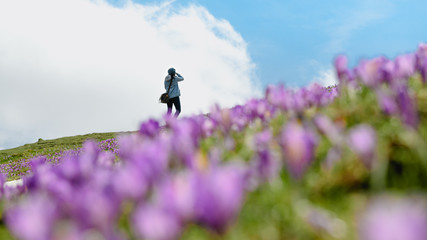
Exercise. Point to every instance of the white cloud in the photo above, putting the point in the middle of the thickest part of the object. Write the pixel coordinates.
(326, 77)
(78, 66)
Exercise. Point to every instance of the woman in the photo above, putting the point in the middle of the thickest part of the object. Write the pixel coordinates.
(174, 92)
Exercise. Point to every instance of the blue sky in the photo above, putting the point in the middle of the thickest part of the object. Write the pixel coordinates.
(292, 41)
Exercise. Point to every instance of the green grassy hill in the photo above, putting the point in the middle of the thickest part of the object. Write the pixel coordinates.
(44, 147)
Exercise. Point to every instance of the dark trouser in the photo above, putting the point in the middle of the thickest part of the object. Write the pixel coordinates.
(175, 101)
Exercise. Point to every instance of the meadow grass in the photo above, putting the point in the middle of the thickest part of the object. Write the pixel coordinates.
(45, 147)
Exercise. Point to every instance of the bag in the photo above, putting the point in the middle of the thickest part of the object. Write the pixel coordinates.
(164, 98)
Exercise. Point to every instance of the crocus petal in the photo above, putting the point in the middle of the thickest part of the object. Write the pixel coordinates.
(219, 195)
(149, 128)
(155, 223)
(407, 107)
(298, 144)
(405, 66)
(32, 219)
(341, 69)
(387, 103)
(362, 140)
(370, 71)
(394, 218)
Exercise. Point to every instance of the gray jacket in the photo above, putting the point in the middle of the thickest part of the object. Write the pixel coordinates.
(174, 91)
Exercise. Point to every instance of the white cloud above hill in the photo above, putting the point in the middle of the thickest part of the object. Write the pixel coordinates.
(326, 77)
(71, 67)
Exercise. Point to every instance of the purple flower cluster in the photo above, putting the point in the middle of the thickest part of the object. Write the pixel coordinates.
(15, 169)
(86, 193)
(389, 79)
(154, 183)
(312, 96)
(162, 175)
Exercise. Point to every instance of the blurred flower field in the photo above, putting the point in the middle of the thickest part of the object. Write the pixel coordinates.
(343, 162)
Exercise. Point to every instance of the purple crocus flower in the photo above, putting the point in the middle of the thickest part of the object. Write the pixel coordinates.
(129, 183)
(370, 72)
(421, 60)
(151, 159)
(422, 50)
(149, 128)
(148, 156)
(37, 161)
(405, 66)
(156, 223)
(388, 70)
(32, 219)
(423, 69)
(257, 108)
(61, 189)
(69, 169)
(129, 144)
(387, 102)
(278, 96)
(106, 159)
(52, 180)
(298, 100)
(87, 160)
(266, 162)
(298, 144)
(362, 139)
(239, 118)
(340, 64)
(262, 139)
(187, 130)
(332, 94)
(178, 195)
(183, 142)
(332, 131)
(394, 218)
(208, 126)
(95, 208)
(222, 118)
(3, 178)
(407, 107)
(341, 69)
(316, 94)
(266, 165)
(219, 196)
